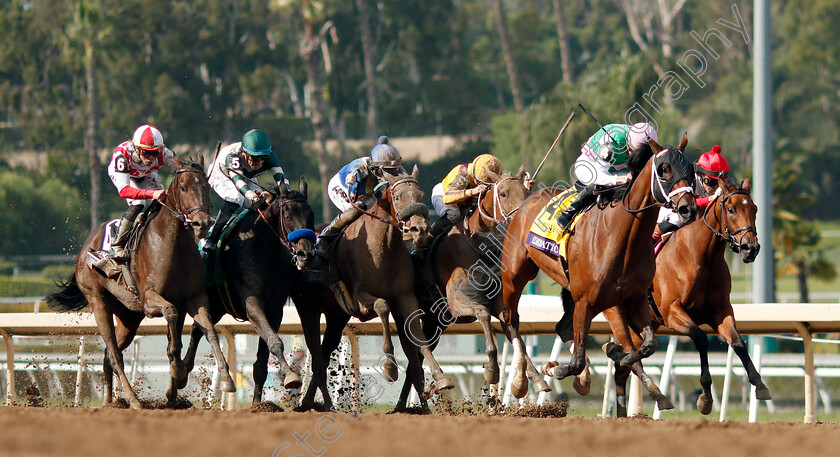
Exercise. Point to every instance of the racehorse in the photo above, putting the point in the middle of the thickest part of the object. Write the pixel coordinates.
(169, 276)
(610, 266)
(464, 265)
(259, 263)
(373, 262)
(692, 282)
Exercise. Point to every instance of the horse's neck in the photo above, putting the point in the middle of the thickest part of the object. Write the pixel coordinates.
(638, 226)
(169, 228)
(478, 223)
(712, 244)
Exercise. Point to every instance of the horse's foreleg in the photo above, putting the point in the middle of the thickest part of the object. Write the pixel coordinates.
(175, 323)
(662, 401)
(679, 320)
(414, 372)
(260, 371)
(389, 367)
(105, 322)
(203, 323)
(189, 356)
(727, 331)
(622, 372)
(255, 309)
(491, 370)
(411, 331)
(578, 362)
(312, 336)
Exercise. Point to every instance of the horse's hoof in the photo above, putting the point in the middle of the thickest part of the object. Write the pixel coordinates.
(444, 383)
(389, 371)
(182, 382)
(613, 351)
(547, 368)
(762, 392)
(491, 374)
(541, 386)
(291, 381)
(519, 386)
(582, 388)
(227, 386)
(704, 404)
(664, 403)
(135, 404)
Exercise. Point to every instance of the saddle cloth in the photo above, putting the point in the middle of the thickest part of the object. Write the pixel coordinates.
(545, 235)
(111, 228)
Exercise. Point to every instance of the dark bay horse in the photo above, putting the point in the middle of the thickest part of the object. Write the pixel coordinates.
(463, 265)
(692, 281)
(168, 272)
(610, 266)
(261, 260)
(373, 262)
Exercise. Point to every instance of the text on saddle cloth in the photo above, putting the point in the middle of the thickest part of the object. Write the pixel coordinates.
(545, 235)
(111, 227)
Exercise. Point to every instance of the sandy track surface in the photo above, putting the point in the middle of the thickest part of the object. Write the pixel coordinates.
(26, 432)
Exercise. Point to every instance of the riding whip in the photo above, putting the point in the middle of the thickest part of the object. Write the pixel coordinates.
(596, 121)
(562, 131)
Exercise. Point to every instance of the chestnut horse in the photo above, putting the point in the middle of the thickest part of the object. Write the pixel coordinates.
(373, 262)
(610, 266)
(168, 272)
(692, 281)
(464, 265)
(259, 261)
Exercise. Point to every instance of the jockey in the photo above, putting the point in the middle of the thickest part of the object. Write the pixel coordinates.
(710, 167)
(457, 190)
(233, 176)
(603, 162)
(351, 187)
(134, 171)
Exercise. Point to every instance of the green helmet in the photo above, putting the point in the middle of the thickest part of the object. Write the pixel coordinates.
(256, 143)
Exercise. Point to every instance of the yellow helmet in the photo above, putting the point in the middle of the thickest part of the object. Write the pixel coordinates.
(486, 168)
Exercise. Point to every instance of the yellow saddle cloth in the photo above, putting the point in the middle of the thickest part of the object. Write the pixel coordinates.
(545, 234)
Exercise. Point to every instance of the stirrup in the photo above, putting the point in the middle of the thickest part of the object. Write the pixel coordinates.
(119, 254)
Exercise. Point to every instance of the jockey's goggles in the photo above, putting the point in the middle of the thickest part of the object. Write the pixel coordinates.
(711, 182)
(149, 153)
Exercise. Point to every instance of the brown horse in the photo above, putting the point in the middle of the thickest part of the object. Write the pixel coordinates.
(610, 266)
(463, 264)
(261, 261)
(692, 281)
(168, 272)
(373, 262)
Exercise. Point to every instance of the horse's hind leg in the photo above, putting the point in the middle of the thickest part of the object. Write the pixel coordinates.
(260, 370)
(411, 330)
(205, 324)
(255, 308)
(389, 367)
(622, 372)
(662, 401)
(681, 322)
(113, 353)
(727, 331)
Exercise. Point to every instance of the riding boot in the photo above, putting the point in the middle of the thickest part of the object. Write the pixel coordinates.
(332, 231)
(225, 213)
(118, 251)
(584, 199)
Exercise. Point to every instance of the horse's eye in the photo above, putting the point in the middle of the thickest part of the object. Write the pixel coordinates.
(731, 210)
(182, 188)
(503, 194)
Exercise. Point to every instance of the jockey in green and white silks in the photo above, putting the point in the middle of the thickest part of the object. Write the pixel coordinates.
(233, 176)
(603, 162)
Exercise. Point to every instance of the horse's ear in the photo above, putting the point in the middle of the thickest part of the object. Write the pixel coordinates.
(284, 191)
(654, 146)
(724, 186)
(415, 172)
(201, 160)
(520, 174)
(178, 162)
(494, 177)
(303, 187)
(746, 186)
(683, 143)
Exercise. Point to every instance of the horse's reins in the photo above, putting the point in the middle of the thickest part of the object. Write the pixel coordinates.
(284, 238)
(183, 215)
(728, 235)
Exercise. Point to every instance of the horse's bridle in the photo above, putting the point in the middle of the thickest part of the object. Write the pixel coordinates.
(284, 236)
(728, 235)
(657, 189)
(399, 217)
(497, 204)
(184, 215)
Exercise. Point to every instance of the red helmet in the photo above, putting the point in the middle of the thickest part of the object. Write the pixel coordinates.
(713, 164)
(148, 138)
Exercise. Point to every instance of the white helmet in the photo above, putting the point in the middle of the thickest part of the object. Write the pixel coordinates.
(148, 138)
(640, 133)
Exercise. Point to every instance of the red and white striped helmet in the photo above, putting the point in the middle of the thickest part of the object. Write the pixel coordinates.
(148, 137)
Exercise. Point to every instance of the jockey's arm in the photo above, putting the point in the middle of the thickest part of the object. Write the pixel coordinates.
(168, 158)
(277, 171)
(590, 172)
(457, 186)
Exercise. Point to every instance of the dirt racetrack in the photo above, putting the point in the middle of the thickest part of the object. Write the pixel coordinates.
(31, 432)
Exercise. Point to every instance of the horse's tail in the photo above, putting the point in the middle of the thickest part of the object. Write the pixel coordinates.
(69, 298)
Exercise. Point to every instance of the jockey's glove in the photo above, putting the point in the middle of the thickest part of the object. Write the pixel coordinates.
(251, 195)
